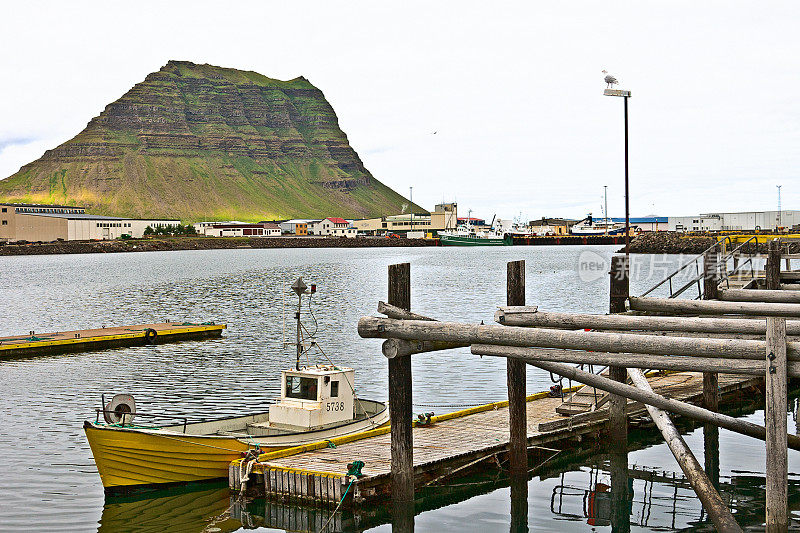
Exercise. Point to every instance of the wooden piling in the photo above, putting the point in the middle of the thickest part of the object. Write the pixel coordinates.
(711, 275)
(618, 419)
(618, 293)
(776, 400)
(711, 379)
(515, 377)
(773, 267)
(400, 411)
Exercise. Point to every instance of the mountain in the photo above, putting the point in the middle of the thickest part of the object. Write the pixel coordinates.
(204, 142)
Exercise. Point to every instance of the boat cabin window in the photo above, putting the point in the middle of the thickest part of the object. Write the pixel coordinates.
(301, 388)
(334, 389)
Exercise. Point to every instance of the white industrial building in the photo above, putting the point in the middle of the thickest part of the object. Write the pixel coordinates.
(200, 227)
(262, 229)
(45, 223)
(745, 221)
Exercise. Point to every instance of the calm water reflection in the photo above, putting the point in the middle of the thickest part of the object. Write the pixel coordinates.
(50, 480)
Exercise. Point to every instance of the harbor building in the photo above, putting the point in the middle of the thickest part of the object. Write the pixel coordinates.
(200, 227)
(551, 226)
(742, 221)
(45, 223)
(241, 229)
(645, 223)
(332, 227)
(297, 226)
(444, 216)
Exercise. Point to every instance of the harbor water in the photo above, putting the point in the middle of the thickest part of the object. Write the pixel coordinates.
(49, 478)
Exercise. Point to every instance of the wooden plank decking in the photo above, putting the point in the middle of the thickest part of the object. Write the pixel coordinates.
(451, 442)
(86, 340)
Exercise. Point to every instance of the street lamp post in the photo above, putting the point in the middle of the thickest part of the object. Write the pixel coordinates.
(625, 95)
(411, 199)
(779, 206)
(605, 208)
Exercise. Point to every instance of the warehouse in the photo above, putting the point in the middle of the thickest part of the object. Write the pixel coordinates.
(262, 229)
(44, 223)
(743, 221)
(297, 226)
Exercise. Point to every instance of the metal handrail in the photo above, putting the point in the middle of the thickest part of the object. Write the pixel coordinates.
(699, 275)
(136, 413)
(680, 269)
(737, 268)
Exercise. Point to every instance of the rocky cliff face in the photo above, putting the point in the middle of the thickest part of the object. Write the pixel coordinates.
(204, 142)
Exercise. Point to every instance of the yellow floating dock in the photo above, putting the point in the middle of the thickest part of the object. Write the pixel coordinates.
(86, 340)
(450, 445)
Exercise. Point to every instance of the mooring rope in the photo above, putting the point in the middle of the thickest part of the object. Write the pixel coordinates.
(245, 468)
(325, 525)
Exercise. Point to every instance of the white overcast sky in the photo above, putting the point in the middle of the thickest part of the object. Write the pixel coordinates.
(513, 91)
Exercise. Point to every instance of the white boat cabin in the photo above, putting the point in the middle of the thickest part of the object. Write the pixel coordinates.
(314, 396)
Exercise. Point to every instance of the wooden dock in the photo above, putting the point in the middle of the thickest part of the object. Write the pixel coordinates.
(85, 340)
(707, 350)
(450, 444)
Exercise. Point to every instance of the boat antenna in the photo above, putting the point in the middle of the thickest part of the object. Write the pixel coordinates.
(299, 288)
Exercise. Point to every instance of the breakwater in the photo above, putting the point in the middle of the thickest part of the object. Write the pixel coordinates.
(670, 242)
(203, 243)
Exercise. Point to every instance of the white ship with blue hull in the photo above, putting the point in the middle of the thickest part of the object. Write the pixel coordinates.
(597, 226)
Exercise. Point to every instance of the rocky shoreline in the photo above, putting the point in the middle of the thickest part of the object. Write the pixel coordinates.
(162, 244)
(668, 242)
(646, 243)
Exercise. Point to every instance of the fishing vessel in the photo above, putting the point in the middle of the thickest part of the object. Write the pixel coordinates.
(598, 226)
(469, 235)
(465, 235)
(317, 402)
(515, 228)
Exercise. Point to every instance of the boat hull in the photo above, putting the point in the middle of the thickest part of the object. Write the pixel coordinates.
(452, 240)
(133, 458)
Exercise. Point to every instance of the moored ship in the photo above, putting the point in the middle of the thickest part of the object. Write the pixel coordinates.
(317, 403)
(465, 235)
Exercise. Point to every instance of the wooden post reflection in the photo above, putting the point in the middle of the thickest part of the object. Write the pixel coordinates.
(711, 452)
(620, 496)
(519, 503)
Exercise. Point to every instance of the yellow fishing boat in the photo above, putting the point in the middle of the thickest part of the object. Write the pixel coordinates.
(317, 403)
(312, 408)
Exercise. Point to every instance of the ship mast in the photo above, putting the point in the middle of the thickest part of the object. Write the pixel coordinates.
(299, 288)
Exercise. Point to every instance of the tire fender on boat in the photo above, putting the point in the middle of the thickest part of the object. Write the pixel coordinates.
(121, 409)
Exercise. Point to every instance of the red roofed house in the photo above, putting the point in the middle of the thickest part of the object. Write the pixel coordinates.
(332, 226)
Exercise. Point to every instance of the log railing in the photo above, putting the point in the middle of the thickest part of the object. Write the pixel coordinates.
(549, 341)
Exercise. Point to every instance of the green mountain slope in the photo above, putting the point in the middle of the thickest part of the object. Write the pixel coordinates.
(204, 142)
